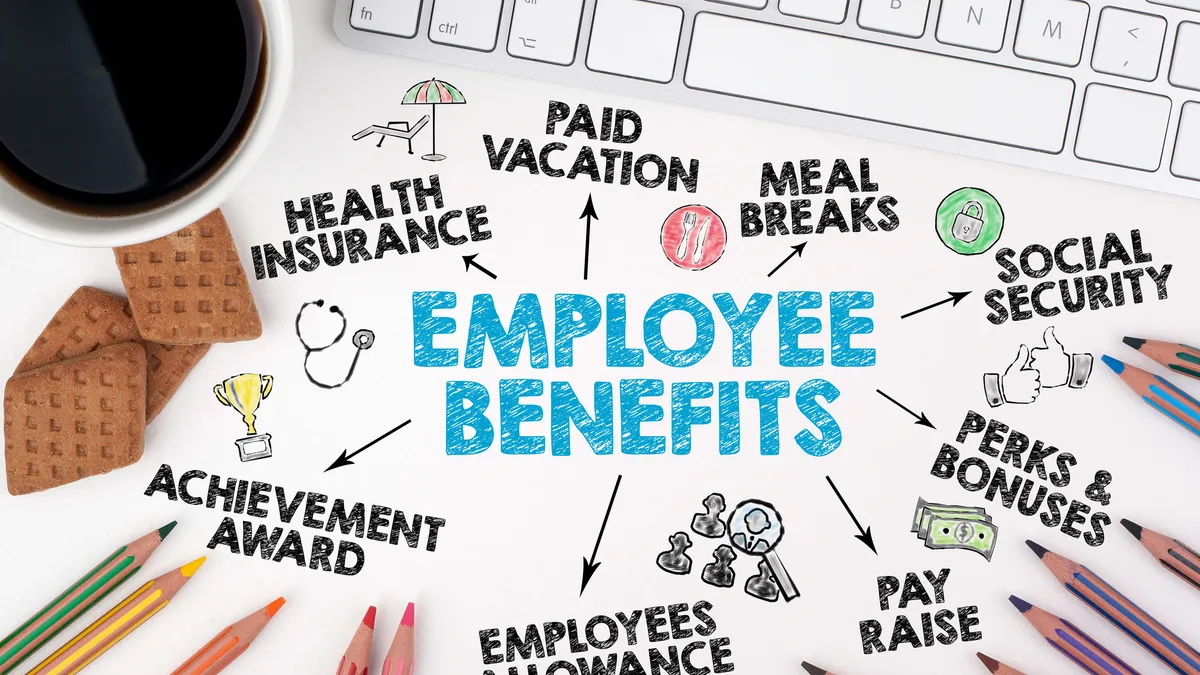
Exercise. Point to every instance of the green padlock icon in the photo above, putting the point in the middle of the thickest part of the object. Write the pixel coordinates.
(966, 226)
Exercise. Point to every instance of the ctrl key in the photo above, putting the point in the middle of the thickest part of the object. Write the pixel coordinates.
(472, 24)
(1186, 162)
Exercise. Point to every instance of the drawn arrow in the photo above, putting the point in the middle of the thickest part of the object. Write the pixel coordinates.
(921, 418)
(954, 297)
(345, 459)
(590, 566)
(1133, 32)
(589, 212)
(863, 535)
(469, 261)
(797, 251)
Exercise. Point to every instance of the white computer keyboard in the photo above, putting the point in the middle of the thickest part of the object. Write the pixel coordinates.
(1104, 90)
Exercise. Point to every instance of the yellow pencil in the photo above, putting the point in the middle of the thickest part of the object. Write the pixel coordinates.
(120, 621)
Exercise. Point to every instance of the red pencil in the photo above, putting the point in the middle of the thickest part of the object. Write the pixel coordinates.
(357, 658)
(995, 667)
(399, 659)
(1171, 553)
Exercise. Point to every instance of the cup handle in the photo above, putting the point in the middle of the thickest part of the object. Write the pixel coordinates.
(267, 383)
(218, 390)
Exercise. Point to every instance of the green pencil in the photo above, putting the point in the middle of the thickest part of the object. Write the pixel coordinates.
(79, 598)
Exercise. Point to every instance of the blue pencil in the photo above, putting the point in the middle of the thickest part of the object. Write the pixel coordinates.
(1159, 394)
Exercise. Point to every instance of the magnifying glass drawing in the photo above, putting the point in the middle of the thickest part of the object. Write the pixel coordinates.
(755, 527)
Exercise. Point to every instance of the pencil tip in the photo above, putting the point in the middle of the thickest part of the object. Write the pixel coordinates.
(274, 606)
(1136, 343)
(813, 670)
(369, 618)
(1020, 604)
(988, 662)
(1117, 366)
(189, 569)
(408, 615)
(166, 529)
(1134, 528)
(1036, 548)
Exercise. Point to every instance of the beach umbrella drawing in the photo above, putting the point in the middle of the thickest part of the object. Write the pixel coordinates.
(435, 93)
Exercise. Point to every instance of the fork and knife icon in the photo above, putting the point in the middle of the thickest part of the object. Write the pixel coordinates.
(689, 223)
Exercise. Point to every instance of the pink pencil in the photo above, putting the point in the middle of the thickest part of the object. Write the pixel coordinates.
(399, 659)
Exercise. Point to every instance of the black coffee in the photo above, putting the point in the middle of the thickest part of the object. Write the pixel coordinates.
(111, 106)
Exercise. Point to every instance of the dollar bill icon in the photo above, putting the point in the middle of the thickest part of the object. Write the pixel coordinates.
(948, 526)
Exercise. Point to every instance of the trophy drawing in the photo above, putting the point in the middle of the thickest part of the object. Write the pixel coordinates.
(244, 393)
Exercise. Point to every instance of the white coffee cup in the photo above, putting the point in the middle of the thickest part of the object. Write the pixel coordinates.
(22, 212)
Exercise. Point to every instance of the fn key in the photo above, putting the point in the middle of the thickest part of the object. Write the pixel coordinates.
(390, 17)
(471, 24)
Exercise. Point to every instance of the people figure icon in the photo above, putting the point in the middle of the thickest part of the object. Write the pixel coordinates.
(675, 561)
(720, 572)
(762, 585)
(709, 524)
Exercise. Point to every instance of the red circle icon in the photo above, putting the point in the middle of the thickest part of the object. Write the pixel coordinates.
(693, 237)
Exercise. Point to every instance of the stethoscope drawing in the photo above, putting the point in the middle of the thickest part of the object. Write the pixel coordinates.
(362, 341)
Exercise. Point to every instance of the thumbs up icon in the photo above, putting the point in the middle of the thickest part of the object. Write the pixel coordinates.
(1048, 366)
(1057, 366)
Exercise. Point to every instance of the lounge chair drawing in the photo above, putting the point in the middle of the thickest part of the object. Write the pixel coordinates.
(406, 131)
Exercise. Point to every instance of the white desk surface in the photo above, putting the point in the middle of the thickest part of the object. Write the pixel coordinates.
(517, 526)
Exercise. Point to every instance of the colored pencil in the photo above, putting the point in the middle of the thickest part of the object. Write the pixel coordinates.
(1160, 394)
(995, 667)
(119, 622)
(1182, 359)
(1072, 642)
(229, 643)
(78, 598)
(357, 658)
(1121, 611)
(399, 659)
(813, 670)
(1171, 553)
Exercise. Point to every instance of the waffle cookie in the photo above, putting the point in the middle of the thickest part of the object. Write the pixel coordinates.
(91, 319)
(75, 418)
(189, 287)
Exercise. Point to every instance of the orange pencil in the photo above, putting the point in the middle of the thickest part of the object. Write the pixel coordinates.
(995, 667)
(229, 643)
(120, 621)
(1179, 358)
(1171, 553)
(399, 659)
(357, 658)
(1120, 611)
(1071, 642)
(814, 670)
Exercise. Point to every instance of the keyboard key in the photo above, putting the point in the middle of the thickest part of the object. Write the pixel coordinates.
(898, 17)
(1186, 162)
(1193, 5)
(472, 24)
(1052, 31)
(752, 4)
(620, 24)
(832, 11)
(545, 30)
(1128, 44)
(941, 94)
(1185, 65)
(976, 24)
(390, 17)
(1123, 127)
